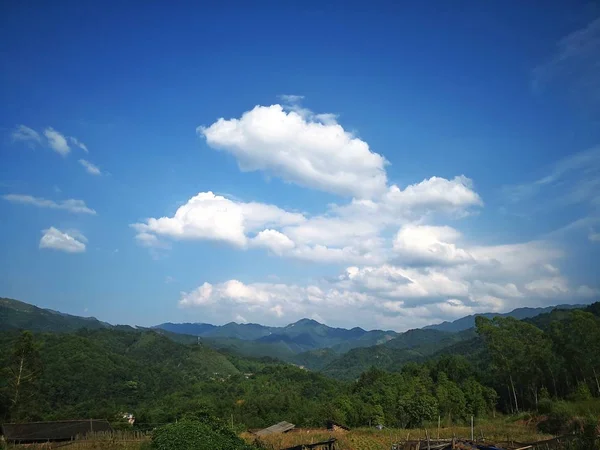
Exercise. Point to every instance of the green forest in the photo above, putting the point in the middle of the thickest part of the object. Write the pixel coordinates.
(547, 365)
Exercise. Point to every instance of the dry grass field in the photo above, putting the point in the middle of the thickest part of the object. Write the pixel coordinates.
(357, 439)
(373, 439)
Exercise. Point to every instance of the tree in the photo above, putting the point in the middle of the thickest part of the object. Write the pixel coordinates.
(196, 435)
(451, 399)
(24, 369)
(577, 339)
(520, 351)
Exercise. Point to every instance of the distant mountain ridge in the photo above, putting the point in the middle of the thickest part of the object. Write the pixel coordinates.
(303, 335)
(464, 323)
(15, 314)
(336, 352)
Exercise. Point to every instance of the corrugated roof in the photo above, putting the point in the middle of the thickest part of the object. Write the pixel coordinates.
(281, 427)
(52, 431)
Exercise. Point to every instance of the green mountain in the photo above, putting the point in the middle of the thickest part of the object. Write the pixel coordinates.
(163, 376)
(282, 342)
(414, 345)
(81, 371)
(464, 323)
(15, 315)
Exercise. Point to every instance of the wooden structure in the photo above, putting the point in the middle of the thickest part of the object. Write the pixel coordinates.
(64, 430)
(557, 443)
(325, 445)
(281, 427)
(334, 426)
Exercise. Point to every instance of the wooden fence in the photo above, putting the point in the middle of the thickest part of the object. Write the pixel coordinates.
(324, 445)
(117, 440)
(567, 442)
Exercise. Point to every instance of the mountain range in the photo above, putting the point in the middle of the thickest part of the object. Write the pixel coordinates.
(337, 352)
(297, 337)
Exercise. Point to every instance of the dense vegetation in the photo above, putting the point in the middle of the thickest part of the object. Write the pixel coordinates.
(549, 364)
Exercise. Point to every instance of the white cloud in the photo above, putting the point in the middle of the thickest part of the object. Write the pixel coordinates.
(78, 143)
(54, 139)
(423, 244)
(300, 149)
(57, 141)
(63, 241)
(25, 134)
(350, 234)
(430, 197)
(594, 236)
(214, 217)
(240, 319)
(548, 286)
(90, 167)
(434, 194)
(71, 205)
(551, 269)
(273, 240)
(493, 278)
(406, 269)
(151, 241)
(267, 299)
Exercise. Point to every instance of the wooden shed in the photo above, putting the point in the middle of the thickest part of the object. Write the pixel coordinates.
(64, 430)
(281, 427)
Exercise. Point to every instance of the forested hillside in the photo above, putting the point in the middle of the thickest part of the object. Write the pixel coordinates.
(15, 315)
(505, 365)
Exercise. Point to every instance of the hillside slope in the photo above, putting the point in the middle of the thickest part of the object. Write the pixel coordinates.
(15, 315)
(464, 323)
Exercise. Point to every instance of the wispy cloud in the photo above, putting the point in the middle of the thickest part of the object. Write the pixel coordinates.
(50, 137)
(90, 167)
(25, 134)
(574, 64)
(69, 241)
(594, 236)
(572, 180)
(71, 205)
(57, 141)
(78, 143)
(291, 99)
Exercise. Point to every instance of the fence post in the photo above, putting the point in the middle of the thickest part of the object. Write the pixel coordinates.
(472, 435)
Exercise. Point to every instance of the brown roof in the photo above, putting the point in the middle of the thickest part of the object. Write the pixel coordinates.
(52, 431)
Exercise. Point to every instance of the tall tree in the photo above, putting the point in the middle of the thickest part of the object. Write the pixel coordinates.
(577, 339)
(24, 370)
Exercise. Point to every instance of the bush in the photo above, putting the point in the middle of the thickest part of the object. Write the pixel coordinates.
(196, 435)
(545, 406)
(582, 393)
(558, 419)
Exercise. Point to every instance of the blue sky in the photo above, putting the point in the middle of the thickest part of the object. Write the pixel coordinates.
(375, 164)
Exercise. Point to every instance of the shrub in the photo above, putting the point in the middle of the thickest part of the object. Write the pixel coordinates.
(545, 406)
(589, 439)
(558, 419)
(582, 393)
(196, 435)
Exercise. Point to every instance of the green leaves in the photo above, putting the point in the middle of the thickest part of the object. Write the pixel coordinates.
(196, 435)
